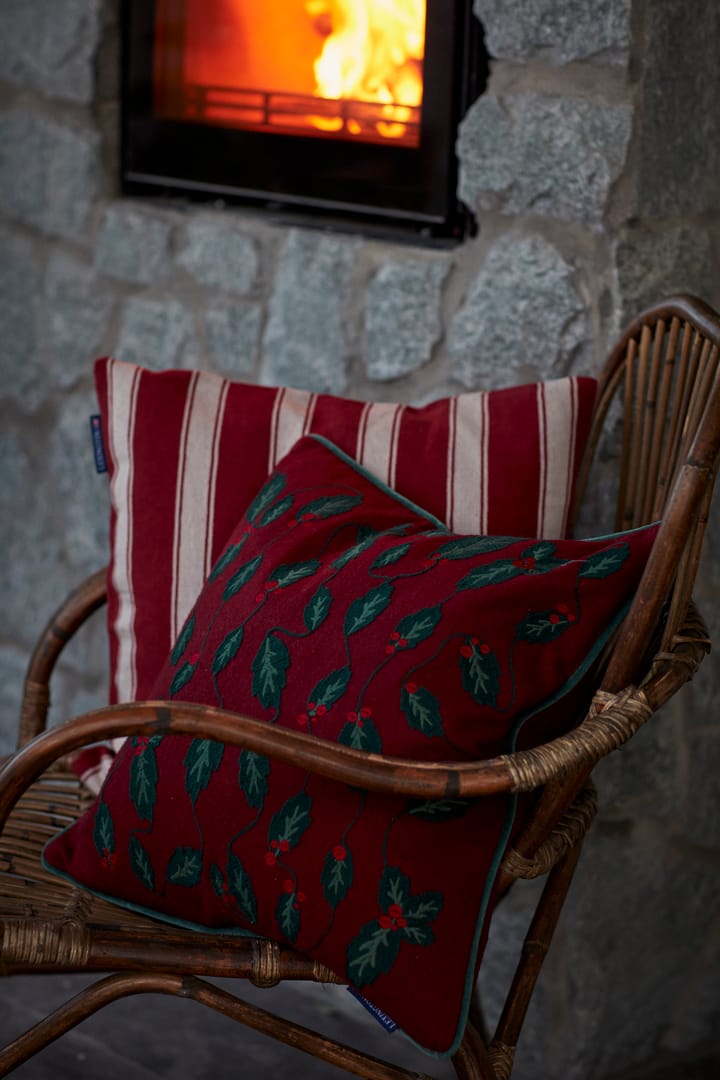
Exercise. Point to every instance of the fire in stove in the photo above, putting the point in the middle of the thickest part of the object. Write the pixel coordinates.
(348, 69)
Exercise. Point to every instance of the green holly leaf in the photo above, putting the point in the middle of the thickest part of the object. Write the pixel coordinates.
(185, 867)
(253, 777)
(490, 574)
(541, 551)
(182, 676)
(356, 550)
(367, 608)
(438, 810)
(228, 556)
(330, 506)
(104, 830)
(227, 650)
(217, 880)
(394, 888)
(143, 780)
(337, 876)
(604, 563)
(275, 512)
(203, 757)
(267, 494)
(291, 820)
(371, 953)
(183, 641)
(416, 628)
(480, 673)
(287, 915)
(423, 906)
(241, 577)
(331, 688)
(141, 864)
(390, 556)
(269, 667)
(418, 934)
(317, 608)
(288, 574)
(465, 547)
(365, 737)
(422, 711)
(241, 889)
(540, 627)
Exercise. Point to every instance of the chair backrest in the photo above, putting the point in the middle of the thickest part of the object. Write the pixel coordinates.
(666, 368)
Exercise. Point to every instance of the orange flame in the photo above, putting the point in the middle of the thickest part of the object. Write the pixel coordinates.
(373, 52)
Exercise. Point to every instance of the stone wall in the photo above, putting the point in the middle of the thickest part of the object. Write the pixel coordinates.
(593, 162)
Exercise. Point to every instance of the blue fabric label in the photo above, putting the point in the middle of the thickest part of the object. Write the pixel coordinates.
(380, 1016)
(98, 447)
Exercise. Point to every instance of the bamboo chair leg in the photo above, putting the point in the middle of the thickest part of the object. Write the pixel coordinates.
(472, 1061)
(114, 987)
(535, 947)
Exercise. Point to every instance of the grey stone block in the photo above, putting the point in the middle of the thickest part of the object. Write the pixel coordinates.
(13, 665)
(155, 333)
(133, 245)
(531, 153)
(32, 570)
(678, 169)
(82, 493)
(78, 308)
(651, 264)
(233, 335)
(50, 45)
(643, 777)
(48, 174)
(637, 915)
(522, 318)
(20, 360)
(402, 317)
(703, 813)
(219, 255)
(305, 343)
(556, 31)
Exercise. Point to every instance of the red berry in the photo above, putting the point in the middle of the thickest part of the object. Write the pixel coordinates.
(484, 649)
(389, 650)
(400, 923)
(300, 897)
(284, 845)
(273, 844)
(365, 712)
(411, 687)
(385, 922)
(339, 853)
(554, 619)
(395, 636)
(269, 858)
(395, 910)
(321, 710)
(466, 651)
(403, 642)
(352, 717)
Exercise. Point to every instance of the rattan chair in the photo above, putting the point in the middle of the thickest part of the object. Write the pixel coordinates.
(665, 371)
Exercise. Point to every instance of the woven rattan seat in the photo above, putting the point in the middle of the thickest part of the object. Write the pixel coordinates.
(666, 366)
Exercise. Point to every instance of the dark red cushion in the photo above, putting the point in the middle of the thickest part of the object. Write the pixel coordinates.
(339, 608)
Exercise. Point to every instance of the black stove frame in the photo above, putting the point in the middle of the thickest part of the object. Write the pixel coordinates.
(366, 185)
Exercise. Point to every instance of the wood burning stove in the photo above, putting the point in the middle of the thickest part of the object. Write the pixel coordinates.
(347, 108)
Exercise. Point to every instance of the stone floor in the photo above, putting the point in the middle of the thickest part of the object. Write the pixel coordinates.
(153, 1038)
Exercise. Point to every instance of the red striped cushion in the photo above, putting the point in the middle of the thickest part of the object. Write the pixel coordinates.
(188, 450)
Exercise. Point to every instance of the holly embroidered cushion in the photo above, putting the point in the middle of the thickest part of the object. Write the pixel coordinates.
(188, 450)
(340, 609)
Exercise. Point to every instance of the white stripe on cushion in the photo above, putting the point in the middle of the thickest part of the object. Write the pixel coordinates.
(194, 491)
(123, 383)
(559, 412)
(377, 440)
(467, 467)
(292, 414)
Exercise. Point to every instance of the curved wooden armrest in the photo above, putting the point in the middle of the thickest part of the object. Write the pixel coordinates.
(611, 720)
